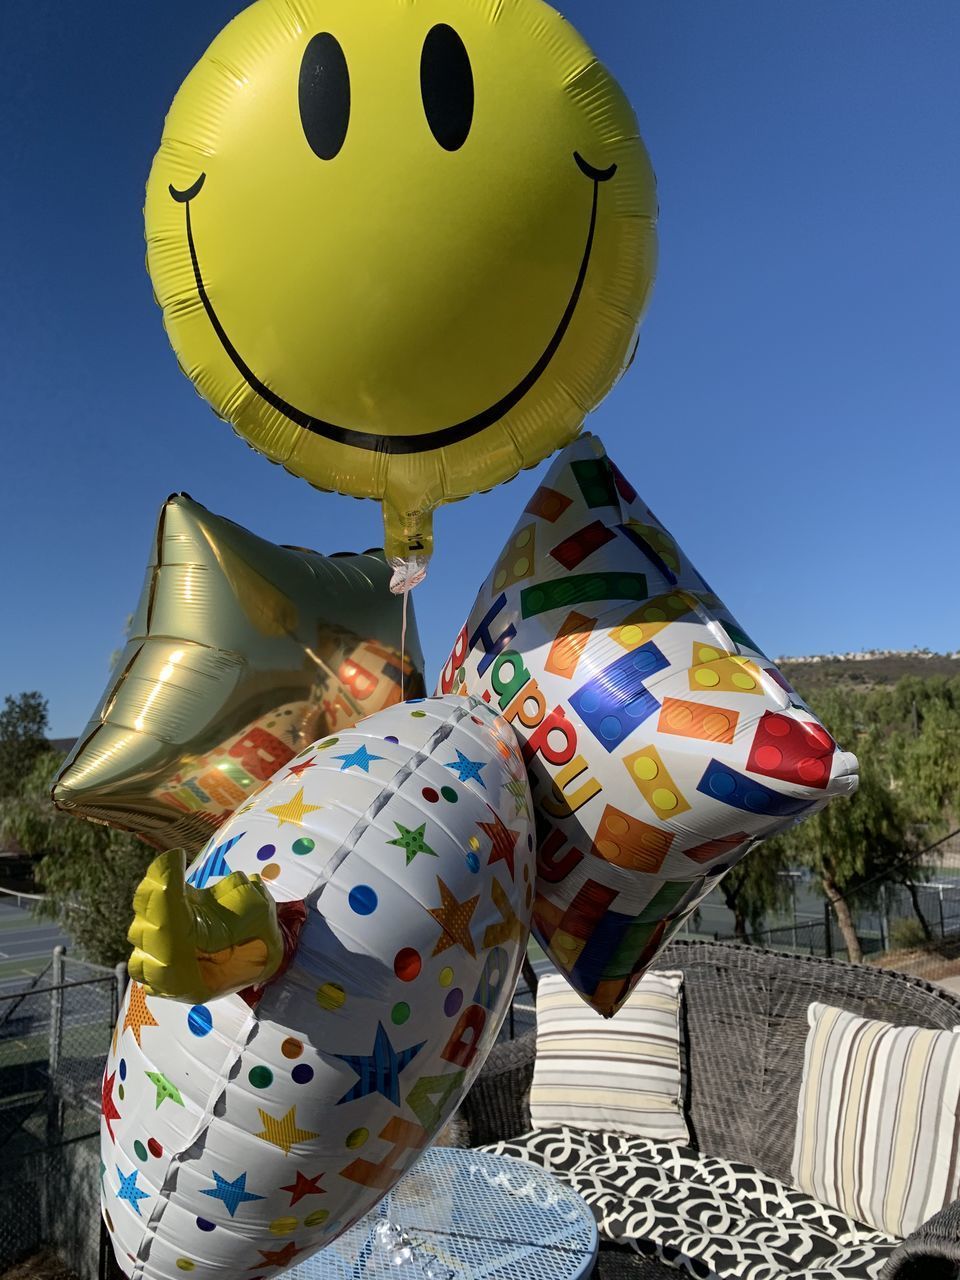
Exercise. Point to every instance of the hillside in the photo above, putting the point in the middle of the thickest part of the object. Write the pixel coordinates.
(866, 670)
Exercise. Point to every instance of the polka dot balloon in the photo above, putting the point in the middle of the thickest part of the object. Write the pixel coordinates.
(240, 1135)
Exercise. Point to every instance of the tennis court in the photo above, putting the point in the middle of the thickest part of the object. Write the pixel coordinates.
(26, 943)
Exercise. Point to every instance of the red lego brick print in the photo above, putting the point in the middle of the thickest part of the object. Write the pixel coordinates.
(572, 553)
(791, 750)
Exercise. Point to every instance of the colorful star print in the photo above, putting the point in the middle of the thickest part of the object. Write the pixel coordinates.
(454, 918)
(304, 1187)
(413, 841)
(129, 1191)
(215, 864)
(233, 1194)
(108, 1106)
(292, 812)
(277, 1257)
(283, 1132)
(379, 1071)
(359, 759)
(298, 770)
(166, 1090)
(504, 842)
(468, 770)
(518, 789)
(138, 1013)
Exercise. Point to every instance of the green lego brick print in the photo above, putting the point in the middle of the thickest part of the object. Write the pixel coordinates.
(584, 588)
(595, 478)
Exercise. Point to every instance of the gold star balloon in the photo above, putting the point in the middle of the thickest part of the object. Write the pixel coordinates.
(240, 655)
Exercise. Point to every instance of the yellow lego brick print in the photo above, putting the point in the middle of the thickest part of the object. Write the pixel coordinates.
(713, 671)
(566, 948)
(660, 542)
(652, 618)
(518, 561)
(655, 783)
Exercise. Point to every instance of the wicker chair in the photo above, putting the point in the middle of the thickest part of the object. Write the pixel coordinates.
(746, 1026)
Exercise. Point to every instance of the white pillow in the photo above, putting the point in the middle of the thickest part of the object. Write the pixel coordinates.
(877, 1126)
(620, 1074)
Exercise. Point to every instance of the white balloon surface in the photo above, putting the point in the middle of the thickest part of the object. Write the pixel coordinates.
(238, 1140)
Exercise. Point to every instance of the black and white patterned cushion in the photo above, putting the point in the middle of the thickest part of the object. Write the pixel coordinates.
(705, 1216)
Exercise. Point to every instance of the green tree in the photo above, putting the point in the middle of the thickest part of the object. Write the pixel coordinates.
(852, 847)
(757, 887)
(88, 872)
(23, 737)
(924, 751)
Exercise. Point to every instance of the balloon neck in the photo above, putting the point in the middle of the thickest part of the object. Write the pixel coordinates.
(407, 574)
(408, 545)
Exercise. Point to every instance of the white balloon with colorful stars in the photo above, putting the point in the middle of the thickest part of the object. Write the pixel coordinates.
(238, 1140)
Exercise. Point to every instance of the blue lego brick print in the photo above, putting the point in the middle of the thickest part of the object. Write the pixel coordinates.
(616, 701)
(722, 783)
(593, 965)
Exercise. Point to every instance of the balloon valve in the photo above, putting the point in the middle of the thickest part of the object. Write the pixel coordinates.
(407, 574)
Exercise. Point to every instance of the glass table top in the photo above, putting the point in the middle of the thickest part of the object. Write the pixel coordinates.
(469, 1216)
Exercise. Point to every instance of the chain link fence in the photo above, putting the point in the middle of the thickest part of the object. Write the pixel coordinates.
(911, 927)
(54, 1036)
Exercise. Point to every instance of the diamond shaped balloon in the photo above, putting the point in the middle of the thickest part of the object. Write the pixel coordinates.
(662, 744)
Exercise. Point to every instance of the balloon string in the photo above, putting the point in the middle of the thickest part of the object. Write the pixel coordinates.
(403, 642)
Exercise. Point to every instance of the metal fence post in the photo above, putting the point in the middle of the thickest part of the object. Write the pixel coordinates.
(943, 927)
(56, 1009)
(120, 988)
(827, 932)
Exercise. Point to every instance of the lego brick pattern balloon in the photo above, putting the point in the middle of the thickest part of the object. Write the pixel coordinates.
(239, 1137)
(662, 744)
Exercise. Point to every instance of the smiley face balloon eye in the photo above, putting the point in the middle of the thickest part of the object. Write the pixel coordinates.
(446, 83)
(324, 95)
(412, 298)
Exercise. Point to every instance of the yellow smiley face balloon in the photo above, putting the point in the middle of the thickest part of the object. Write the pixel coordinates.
(403, 248)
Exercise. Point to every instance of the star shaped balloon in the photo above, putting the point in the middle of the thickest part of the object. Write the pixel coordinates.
(240, 655)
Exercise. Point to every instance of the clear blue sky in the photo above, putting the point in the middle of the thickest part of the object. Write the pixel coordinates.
(792, 415)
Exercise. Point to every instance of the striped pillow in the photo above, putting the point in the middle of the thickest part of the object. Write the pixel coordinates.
(877, 1132)
(621, 1074)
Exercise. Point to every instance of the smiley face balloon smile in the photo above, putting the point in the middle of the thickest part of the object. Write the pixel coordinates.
(406, 252)
(399, 443)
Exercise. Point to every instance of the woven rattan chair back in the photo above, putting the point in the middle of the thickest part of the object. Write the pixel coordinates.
(745, 1015)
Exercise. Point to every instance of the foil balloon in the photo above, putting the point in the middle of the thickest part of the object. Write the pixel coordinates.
(242, 1134)
(240, 654)
(662, 744)
(403, 248)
